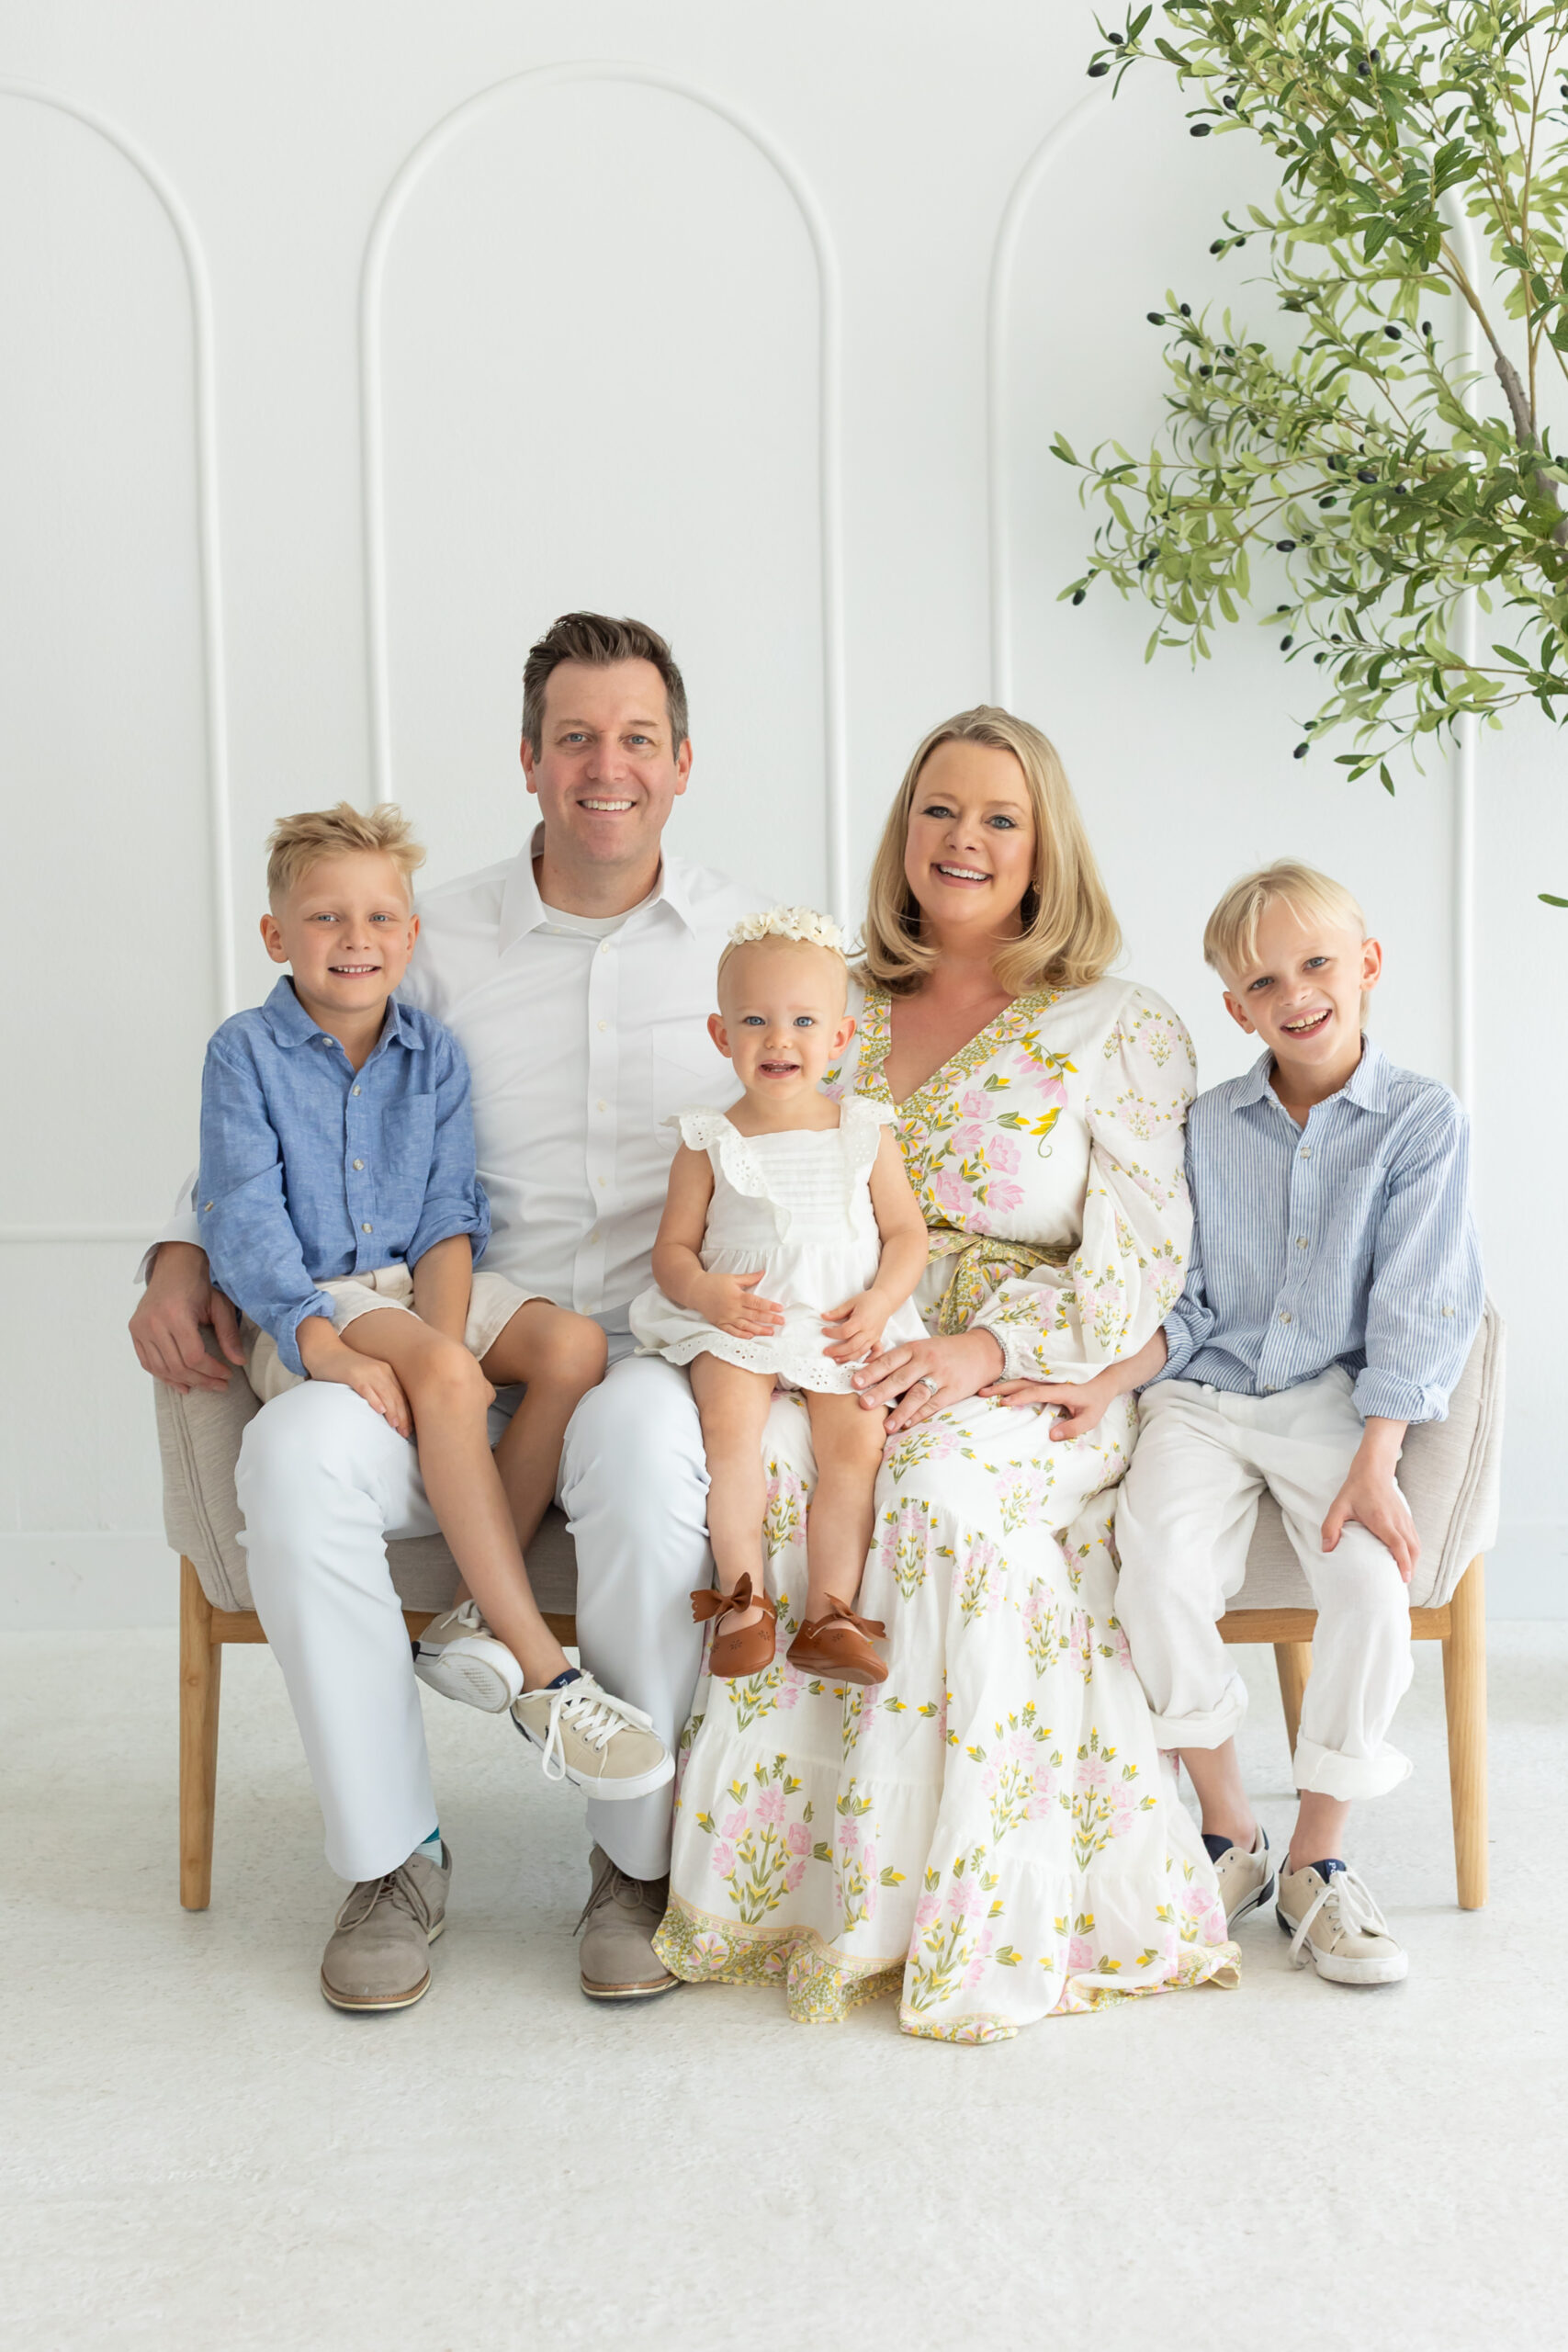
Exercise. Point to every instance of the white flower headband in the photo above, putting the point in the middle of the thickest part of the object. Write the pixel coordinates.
(803, 924)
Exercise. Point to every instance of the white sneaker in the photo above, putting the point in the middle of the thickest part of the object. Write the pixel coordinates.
(1247, 1878)
(459, 1656)
(589, 1737)
(1335, 1926)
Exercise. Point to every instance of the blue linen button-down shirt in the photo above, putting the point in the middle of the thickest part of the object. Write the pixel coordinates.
(1346, 1241)
(312, 1169)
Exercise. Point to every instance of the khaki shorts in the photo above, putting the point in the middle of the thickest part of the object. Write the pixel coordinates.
(492, 1303)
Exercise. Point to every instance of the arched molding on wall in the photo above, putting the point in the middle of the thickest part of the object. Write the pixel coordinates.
(215, 713)
(998, 312)
(434, 143)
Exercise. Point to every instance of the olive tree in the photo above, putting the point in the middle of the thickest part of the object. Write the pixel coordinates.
(1394, 476)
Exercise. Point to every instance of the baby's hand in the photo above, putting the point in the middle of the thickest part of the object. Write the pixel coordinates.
(727, 1301)
(857, 1324)
(1080, 1410)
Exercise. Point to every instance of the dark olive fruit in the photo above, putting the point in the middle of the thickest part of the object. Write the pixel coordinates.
(1301, 751)
(1205, 371)
(1426, 326)
(1218, 246)
(1116, 40)
(1286, 643)
(1286, 546)
(1365, 473)
(1319, 658)
(1096, 70)
(1199, 131)
(1394, 332)
(1078, 595)
(1230, 105)
(1155, 317)
(1329, 501)
(1187, 309)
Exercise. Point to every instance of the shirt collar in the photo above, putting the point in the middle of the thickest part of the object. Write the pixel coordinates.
(291, 1026)
(1367, 1085)
(523, 910)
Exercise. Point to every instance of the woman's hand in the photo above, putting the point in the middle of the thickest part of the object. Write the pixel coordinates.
(929, 1375)
(1078, 1409)
(725, 1301)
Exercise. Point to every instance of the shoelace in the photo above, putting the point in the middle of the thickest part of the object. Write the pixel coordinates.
(1351, 1909)
(616, 1885)
(396, 1888)
(592, 1712)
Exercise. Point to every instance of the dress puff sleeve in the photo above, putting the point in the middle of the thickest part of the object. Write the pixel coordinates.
(1067, 1323)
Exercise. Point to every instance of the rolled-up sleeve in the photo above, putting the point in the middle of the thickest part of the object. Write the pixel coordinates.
(251, 1244)
(455, 1200)
(1126, 1273)
(1427, 1289)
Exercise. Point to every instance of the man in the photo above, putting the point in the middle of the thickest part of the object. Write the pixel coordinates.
(578, 978)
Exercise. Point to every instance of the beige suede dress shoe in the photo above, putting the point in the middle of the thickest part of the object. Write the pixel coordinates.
(378, 1956)
(619, 1921)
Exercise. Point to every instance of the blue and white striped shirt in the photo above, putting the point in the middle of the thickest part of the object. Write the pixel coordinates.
(1346, 1241)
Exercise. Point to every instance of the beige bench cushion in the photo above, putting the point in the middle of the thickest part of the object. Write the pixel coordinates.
(1450, 1474)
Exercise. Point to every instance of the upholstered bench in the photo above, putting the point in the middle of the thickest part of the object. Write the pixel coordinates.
(1450, 1474)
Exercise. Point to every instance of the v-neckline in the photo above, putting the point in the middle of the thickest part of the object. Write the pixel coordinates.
(877, 1044)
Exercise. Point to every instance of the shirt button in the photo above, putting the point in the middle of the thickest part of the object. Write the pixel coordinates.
(595, 1235)
(1306, 1148)
(353, 1090)
(365, 1228)
(604, 947)
(1300, 1238)
(207, 1204)
(1447, 1310)
(359, 1163)
(604, 1025)
(600, 1182)
(1284, 1317)
(600, 1106)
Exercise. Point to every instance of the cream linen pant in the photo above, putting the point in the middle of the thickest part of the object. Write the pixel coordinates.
(1185, 1514)
(322, 1482)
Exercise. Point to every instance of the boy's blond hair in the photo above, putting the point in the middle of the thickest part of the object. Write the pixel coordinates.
(1230, 936)
(297, 843)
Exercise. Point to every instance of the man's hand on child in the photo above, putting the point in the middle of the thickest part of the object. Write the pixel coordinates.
(1079, 1409)
(1372, 1499)
(858, 1326)
(177, 1307)
(727, 1301)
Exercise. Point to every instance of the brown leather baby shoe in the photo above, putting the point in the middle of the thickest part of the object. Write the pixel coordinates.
(750, 1651)
(839, 1645)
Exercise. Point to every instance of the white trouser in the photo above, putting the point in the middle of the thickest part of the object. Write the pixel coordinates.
(1185, 1514)
(323, 1484)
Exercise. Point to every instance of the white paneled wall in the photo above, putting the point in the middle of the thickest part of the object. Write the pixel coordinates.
(343, 348)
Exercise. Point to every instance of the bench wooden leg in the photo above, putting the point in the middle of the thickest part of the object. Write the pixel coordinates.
(201, 1668)
(1464, 1694)
(1293, 1662)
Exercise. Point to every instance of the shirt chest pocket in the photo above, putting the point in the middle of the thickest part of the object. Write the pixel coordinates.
(687, 1067)
(408, 1143)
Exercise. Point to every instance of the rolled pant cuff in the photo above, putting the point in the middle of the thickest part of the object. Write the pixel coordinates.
(1324, 1772)
(1207, 1727)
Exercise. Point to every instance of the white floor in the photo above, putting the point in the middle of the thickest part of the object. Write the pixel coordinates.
(197, 2152)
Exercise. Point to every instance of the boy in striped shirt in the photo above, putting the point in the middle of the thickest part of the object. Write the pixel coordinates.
(1332, 1295)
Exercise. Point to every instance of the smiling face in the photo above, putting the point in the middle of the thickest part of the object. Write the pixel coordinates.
(969, 852)
(1301, 991)
(606, 772)
(348, 928)
(782, 1019)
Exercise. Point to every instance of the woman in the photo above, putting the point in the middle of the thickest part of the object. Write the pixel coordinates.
(991, 1831)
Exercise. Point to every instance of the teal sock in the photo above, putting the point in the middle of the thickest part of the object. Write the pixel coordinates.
(429, 1848)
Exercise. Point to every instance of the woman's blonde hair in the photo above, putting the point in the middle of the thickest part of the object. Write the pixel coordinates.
(1070, 935)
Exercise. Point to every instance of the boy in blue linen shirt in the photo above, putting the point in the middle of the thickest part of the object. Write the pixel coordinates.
(1332, 1295)
(341, 1211)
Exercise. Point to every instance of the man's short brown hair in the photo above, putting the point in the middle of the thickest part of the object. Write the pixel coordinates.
(596, 641)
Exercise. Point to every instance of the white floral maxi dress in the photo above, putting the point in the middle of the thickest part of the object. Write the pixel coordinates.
(991, 1832)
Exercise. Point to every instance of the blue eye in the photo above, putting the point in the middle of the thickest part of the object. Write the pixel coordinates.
(752, 1020)
(1009, 821)
(806, 1021)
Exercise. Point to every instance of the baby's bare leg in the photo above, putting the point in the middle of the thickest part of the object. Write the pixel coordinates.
(560, 1356)
(848, 1442)
(733, 1405)
(448, 1396)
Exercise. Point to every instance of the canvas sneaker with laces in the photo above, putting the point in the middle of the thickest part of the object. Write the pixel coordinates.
(459, 1656)
(1246, 1876)
(587, 1736)
(1335, 1926)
